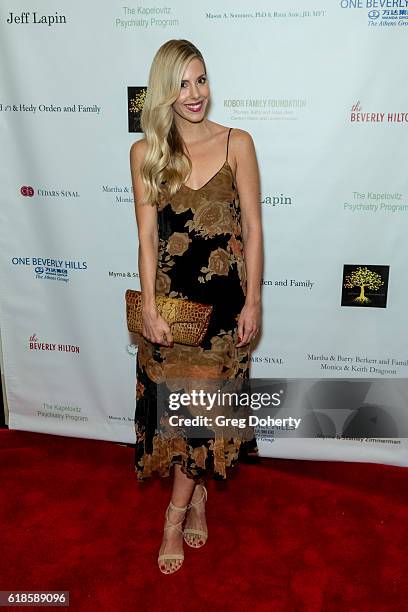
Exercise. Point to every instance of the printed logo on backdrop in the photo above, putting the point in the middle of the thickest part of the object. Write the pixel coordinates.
(266, 15)
(350, 364)
(136, 98)
(35, 344)
(291, 283)
(358, 115)
(269, 359)
(277, 200)
(49, 108)
(121, 274)
(396, 15)
(147, 17)
(61, 412)
(123, 194)
(36, 18)
(272, 109)
(365, 286)
(28, 191)
(367, 202)
(51, 269)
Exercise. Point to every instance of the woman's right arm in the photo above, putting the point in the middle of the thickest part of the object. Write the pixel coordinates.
(155, 327)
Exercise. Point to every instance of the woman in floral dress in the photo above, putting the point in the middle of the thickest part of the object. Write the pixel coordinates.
(200, 241)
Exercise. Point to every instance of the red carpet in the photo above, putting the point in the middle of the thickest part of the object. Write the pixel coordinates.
(284, 535)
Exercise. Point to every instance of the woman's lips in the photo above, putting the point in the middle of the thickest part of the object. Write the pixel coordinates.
(195, 108)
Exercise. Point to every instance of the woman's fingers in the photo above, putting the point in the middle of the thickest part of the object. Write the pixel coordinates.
(158, 332)
(247, 331)
(168, 337)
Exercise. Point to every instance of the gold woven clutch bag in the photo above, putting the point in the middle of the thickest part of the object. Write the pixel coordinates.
(188, 320)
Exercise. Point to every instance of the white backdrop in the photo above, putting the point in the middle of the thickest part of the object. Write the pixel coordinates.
(317, 84)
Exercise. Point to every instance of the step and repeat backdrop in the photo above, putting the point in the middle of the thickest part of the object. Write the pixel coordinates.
(318, 84)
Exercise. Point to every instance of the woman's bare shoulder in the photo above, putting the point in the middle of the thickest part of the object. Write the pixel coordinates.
(237, 133)
(241, 136)
(241, 147)
(138, 150)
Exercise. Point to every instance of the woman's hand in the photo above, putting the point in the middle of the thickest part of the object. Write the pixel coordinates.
(249, 321)
(155, 328)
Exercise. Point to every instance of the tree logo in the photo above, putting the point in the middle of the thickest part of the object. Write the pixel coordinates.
(136, 99)
(365, 286)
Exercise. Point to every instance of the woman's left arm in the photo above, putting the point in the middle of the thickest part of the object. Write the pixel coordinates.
(248, 185)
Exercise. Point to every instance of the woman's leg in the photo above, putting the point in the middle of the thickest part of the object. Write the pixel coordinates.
(172, 538)
(183, 487)
(196, 518)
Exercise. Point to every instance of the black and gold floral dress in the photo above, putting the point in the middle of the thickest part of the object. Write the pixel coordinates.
(200, 258)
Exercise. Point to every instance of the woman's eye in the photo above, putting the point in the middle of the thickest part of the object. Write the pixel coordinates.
(201, 80)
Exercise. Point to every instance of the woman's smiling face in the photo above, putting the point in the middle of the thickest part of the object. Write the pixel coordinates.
(194, 92)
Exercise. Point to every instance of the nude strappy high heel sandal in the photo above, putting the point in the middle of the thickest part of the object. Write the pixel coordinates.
(179, 557)
(193, 537)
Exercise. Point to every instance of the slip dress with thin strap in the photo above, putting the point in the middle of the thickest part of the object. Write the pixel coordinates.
(200, 257)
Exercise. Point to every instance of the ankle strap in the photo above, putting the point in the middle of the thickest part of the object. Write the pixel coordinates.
(169, 524)
(204, 497)
(181, 509)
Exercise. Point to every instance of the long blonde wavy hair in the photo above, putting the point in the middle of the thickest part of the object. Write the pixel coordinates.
(165, 167)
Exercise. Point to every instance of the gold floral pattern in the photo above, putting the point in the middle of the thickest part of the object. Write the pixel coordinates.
(163, 282)
(178, 243)
(201, 257)
(235, 246)
(211, 218)
(218, 263)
